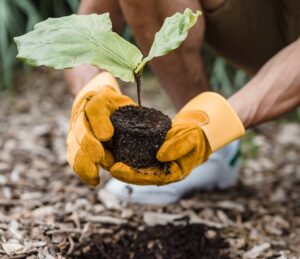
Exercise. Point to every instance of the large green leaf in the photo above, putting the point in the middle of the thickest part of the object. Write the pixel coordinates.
(79, 39)
(173, 32)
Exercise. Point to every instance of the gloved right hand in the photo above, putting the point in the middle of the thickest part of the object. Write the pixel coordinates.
(205, 124)
(90, 127)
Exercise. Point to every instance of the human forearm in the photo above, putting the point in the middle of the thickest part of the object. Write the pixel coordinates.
(104, 6)
(79, 76)
(181, 72)
(274, 90)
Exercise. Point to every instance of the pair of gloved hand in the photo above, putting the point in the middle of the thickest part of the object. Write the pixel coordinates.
(201, 127)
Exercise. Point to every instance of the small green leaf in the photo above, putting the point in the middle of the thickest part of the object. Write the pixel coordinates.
(173, 32)
(73, 40)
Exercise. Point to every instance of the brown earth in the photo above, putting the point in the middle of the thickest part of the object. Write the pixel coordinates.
(46, 212)
(139, 133)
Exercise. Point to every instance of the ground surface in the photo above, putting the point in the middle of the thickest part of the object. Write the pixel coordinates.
(46, 212)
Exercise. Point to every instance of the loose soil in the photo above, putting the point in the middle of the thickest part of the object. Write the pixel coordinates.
(47, 212)
(176, 242)
(139, 133)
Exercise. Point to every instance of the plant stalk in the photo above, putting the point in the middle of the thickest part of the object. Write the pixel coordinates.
(137, 78)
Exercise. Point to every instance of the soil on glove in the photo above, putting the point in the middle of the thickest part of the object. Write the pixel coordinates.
(190, 241)
(139, 133)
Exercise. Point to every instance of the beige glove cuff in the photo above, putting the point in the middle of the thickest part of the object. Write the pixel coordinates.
(223, 124)
(95, 84)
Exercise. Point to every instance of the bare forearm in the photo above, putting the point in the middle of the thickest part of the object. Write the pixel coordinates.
(274, 91)
(181, 72)
(103, 6)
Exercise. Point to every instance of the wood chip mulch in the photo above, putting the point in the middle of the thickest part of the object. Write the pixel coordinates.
(46, 212)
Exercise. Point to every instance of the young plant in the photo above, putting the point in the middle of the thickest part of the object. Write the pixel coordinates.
(88, 39)
(74, 40)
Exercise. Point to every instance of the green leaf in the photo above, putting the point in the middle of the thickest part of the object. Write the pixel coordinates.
(173, 32)
(79, 39)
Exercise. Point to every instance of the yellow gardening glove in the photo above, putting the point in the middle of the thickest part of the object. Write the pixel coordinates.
(202, 126)
(144, 176)
(90, 126)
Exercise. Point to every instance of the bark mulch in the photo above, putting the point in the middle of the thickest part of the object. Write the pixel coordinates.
(46, 212)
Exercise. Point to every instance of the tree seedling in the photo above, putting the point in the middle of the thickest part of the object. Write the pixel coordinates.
(74, 40)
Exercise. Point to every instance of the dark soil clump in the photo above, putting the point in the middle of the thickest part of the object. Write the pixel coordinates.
(170, 241)
(139, 133)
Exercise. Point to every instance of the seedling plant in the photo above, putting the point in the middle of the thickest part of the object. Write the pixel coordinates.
(74, 40)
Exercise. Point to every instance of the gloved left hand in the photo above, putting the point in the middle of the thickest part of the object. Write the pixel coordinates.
(90, 127)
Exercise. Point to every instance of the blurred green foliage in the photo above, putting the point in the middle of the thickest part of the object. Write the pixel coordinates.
(18, 17)
(249, 148)
(223, 77)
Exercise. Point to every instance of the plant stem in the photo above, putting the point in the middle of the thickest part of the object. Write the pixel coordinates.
(137, 78)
